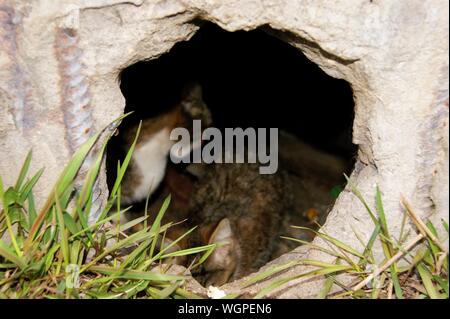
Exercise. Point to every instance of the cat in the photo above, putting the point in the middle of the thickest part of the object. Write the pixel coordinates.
(233, 206)
(242, 211)
(148, 163)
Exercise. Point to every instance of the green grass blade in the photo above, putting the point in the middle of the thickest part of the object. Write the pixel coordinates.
(316, 247)
(335, 242)
(381, 214)
(49, 257)
(328, 284)
(64, 181)
(62, 232)
(434, 248)
(386, 244)
(132, 289)
(387, 247)
(10, 255)
(97, 224)
(134, 274)
(126, 226)
(2, 193)
(186, 294)
(368, 256)
(136, 252)
(133, 239)
(319, 272)
(31, 209)
(274, 285)
(11, 232)
(24, 171)
(443, 283)
(204, 257)
(358, 194)
(70, 223)
(75, 249)
(378, 288)
(445, 224)
(427, 281)
(189, 251)
(29, 186)
(324, 265)
(165, 248)
(161, 213)
(91, 177)
(402, 236)
(105, 295)
(270, 272)
(169, 290)
(157, 224)
(397, 287)
(125, 163)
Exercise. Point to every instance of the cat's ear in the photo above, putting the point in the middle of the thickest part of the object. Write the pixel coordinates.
(222, 262)
(193, 104)
(222, 233)
(192, 92)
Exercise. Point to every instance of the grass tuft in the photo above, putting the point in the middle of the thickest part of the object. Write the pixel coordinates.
(423, 272)
(55, 253)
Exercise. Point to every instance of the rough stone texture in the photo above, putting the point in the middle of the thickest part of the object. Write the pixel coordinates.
(394, 54)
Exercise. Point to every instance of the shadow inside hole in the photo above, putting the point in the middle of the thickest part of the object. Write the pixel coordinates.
(249, 79)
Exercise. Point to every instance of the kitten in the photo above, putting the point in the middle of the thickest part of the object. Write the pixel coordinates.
(149, 160)
(232, 206)
(242, 210)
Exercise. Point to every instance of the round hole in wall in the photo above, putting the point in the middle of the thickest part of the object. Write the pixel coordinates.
(246, 80)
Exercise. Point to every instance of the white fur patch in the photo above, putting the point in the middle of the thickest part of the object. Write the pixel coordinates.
(151, 160)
